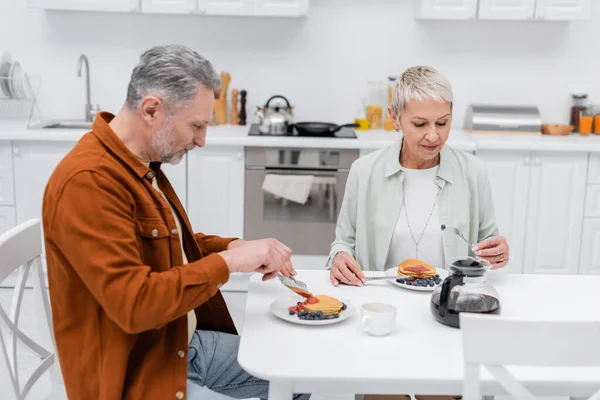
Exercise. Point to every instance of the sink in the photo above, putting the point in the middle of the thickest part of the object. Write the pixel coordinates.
(64, 125)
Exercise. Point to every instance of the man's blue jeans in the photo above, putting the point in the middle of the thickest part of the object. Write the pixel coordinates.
(212, 362)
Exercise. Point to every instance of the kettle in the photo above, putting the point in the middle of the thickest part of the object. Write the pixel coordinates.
(276, 118)
(466, 289)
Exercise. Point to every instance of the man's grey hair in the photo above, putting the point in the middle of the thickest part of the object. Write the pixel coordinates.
(171, 73)
(420, 83)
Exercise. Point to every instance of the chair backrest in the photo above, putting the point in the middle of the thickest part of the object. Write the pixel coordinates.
(495, 341)
(20, 250)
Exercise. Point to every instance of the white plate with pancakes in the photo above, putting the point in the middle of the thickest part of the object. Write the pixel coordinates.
(429, 273)
(280, 309)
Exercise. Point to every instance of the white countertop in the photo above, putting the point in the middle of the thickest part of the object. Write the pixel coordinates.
(571, 143)
(230, 135)
(421, 355)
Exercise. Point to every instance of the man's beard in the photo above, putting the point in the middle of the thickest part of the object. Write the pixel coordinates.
(162, 145)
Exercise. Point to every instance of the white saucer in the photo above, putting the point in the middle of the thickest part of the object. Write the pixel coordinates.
(279, 308)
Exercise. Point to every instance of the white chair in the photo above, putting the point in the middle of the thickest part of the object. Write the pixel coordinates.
(493, 342)
(20, 250)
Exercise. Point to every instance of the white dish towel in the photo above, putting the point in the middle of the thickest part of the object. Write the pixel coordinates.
(291, 187)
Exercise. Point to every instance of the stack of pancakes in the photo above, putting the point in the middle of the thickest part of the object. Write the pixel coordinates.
(416, 269)
(327, 305)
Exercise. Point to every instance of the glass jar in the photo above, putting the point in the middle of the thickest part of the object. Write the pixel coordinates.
(578, 107)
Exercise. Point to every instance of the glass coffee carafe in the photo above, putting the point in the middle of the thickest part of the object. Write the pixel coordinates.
(466, 289)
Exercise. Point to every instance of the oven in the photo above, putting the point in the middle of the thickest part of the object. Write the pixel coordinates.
(307, 228)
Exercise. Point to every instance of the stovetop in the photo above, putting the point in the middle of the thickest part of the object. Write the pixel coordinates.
(344, 133)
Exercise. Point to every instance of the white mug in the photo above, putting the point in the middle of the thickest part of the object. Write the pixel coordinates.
(378, 319)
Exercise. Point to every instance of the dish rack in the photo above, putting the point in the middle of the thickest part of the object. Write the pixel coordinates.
(18, 98)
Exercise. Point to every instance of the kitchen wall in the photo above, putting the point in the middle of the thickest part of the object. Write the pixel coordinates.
(321, 62)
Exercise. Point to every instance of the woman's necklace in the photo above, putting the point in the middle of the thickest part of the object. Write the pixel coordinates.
(416, 241)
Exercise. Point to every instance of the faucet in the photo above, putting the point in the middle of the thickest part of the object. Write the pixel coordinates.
(90, 112)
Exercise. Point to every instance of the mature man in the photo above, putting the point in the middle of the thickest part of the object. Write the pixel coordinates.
(135, 293)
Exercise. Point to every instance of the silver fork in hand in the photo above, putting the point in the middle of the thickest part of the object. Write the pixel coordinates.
(458, 233)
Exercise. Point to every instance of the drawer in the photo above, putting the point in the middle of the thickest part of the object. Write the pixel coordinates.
(7, 183)
(592, 201)
(8, 218)
(236, 303)
(594, 169)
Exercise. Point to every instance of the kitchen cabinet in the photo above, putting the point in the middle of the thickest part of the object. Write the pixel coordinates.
(446, 9)
(590, 247)
(87, 5)
(7, 218)
(7, 194)
(594, 169)
(169, 6)
(215, 180)
(281, 8)
(236, 303)
(34, 163)
(539, 207)
(507, 9)
(564, 10)
(509, 175)
(555, 216)
(226, 7)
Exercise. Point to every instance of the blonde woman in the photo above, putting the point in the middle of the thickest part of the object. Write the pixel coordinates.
(397, 198)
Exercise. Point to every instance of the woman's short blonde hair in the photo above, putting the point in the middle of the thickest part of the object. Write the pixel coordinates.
(420, 83)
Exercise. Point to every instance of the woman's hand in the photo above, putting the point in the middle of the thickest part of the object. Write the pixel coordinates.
(345, 269)
(494, 250)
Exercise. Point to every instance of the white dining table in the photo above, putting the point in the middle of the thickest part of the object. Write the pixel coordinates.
(421, 356)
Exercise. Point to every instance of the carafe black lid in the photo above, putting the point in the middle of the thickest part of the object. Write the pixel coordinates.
(468, 266)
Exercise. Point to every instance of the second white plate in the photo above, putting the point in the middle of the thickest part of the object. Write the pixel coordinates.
(394, 272)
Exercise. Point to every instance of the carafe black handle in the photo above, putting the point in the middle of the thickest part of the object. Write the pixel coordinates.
(447, 286)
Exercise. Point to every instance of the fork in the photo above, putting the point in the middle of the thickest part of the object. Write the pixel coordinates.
(457, 232)
(291, 281)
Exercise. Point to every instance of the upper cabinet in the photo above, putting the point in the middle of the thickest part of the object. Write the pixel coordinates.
(507, 9)
(282, 8)
(169, 6)
(563, 9)
(87, 5)
(273, 8)
(447, 9)
(226, 7)
(504, 9)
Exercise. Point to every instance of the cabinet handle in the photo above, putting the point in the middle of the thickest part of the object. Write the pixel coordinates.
(527, 160)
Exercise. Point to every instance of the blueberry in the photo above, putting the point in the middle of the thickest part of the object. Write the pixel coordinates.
(431, 283)
(437, 281)
(336, 315)
(344, 306)
(292, 312)
(302, 317)
(437, 276)
(400, 280)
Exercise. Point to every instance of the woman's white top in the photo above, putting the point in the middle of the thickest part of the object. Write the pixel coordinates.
(419, 217)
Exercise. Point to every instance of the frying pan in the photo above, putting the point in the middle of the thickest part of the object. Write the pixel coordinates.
(319, 128)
